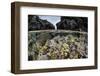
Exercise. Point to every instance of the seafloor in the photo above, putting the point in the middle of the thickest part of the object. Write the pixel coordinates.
(57, 44)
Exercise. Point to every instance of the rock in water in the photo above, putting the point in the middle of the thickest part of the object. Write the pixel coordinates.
(35, 23)
(73, 23)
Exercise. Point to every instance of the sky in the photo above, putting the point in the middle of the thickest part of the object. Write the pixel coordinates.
(52, 19)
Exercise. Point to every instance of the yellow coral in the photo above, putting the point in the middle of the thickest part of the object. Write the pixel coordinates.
(66, 54)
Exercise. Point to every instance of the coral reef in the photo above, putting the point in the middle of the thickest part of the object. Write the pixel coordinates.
(68, 41)
(57, 45)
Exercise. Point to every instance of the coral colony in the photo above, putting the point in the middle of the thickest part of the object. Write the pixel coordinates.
(68, 41)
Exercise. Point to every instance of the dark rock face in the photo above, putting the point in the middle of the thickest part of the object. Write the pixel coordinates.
(73, 23)
(35, 23)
